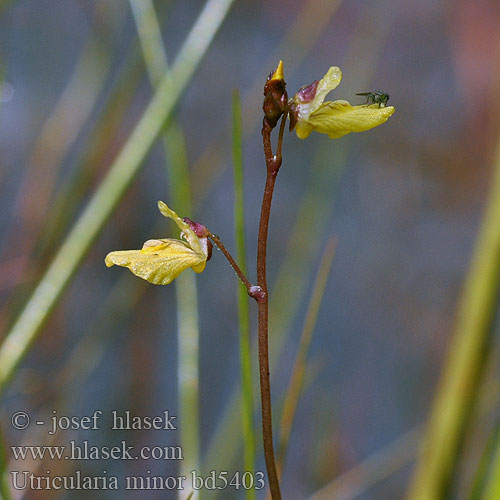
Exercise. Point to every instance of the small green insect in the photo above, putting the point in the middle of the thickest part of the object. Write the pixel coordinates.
(376, 97)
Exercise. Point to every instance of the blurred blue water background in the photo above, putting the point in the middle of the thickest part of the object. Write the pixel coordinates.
(403, 202)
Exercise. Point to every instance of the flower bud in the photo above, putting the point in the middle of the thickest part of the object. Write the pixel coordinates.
(275, 96)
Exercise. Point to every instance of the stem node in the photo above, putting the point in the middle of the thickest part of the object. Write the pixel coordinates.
(257, 293)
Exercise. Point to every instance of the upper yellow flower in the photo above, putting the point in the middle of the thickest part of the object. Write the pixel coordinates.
(161, 261)
(308, 112)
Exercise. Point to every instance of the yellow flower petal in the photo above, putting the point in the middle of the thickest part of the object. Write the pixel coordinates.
(186, 231)
(339, 118)
(159, 261)
(303, 129)
(328, 83)
(307, 105)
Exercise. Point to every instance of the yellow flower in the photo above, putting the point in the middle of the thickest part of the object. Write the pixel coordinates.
(308, 112)
(161, 261)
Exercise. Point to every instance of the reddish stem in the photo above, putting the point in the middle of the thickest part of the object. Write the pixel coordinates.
(252, 290)
(273, 163)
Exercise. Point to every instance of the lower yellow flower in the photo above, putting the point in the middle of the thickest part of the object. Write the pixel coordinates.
(161, 261)
(308, 112)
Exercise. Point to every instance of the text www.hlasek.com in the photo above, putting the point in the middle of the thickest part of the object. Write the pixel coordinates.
(85, 451)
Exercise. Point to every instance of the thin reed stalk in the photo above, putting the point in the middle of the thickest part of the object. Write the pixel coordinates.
(67, 199)
(296, 383)
(481, 476)
(5, 493)
(247, 407)
(188, 333)
(492, 489)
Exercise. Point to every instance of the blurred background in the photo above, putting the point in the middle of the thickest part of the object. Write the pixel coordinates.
(403, 202)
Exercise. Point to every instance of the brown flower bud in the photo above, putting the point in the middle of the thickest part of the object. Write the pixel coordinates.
(275, 96)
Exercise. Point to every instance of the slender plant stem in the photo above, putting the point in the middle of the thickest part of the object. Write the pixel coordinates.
(273, 163)
(233, 263)
(316, 203)
(263, 340)
(280, 137)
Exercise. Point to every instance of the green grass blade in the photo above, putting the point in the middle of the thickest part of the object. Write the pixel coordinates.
(464, 364)
(492, 489)
(148, 28)
(180, 197)
(247, 390)
(187, 309)
(65, 202)
(4, 478)
(481, 476)
(188, 340)
(113, 187)
(178, 172)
